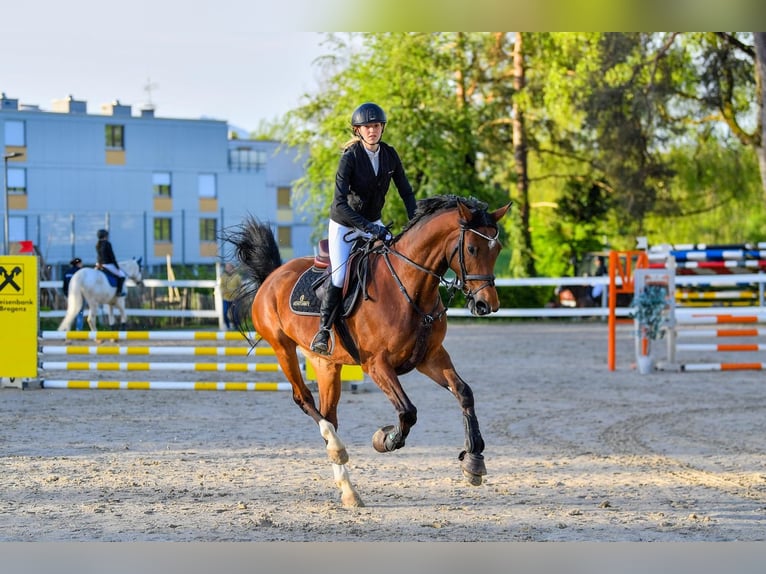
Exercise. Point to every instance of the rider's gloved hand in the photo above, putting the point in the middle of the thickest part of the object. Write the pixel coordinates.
(380, 232)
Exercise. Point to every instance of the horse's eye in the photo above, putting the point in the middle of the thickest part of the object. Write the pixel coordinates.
(472, 249)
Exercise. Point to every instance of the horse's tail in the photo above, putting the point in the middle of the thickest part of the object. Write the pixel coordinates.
(256, 249)
(74, 302)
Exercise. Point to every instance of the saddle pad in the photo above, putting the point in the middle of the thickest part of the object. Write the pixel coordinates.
(303, 298)
(110, 277)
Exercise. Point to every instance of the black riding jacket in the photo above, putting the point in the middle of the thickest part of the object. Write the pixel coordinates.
(360, 194)
(104, 253)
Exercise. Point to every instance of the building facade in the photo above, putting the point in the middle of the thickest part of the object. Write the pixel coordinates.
(164, 188)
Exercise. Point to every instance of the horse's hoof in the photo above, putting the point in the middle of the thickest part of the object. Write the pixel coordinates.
(473, 479)
(379, 438)
(351, 500)
(473, 467)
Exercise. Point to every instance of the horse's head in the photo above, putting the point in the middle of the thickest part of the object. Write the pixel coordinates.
(474, 256)
(133, 270)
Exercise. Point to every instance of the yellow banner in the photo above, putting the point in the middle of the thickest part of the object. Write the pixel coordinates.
(19, 315)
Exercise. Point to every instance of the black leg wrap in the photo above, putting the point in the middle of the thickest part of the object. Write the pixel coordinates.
(473, 442)
(472, 461)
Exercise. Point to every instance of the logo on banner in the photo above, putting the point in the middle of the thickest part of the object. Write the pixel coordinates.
(12, 280)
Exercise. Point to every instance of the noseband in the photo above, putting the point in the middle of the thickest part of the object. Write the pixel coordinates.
(489, 280)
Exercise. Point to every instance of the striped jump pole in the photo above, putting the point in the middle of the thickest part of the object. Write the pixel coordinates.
(684, 333)
(166, 385)
(713, 319)
(718, 266)
(715, 295)
(720, 348)
(146, 335)
(723, 367)
(141, 366)
(197, 351)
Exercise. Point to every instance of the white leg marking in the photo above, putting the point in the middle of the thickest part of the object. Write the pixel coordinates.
(348, 495)
(336, 450)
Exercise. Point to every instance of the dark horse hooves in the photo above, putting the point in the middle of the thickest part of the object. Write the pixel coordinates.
(473, 467)
(387, 439)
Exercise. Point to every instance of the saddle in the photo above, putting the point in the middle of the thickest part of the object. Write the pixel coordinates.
(308, 291)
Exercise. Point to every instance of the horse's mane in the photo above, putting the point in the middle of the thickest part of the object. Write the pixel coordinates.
(430, 206)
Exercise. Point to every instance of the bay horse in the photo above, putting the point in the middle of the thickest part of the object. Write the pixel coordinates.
(397, 324)
(92, 286)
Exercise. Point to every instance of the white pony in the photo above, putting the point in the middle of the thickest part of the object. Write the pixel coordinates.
(91, 285)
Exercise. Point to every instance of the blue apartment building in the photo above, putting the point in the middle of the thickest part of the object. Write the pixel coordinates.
(164, 188)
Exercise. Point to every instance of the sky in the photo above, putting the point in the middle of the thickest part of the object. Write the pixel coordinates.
(250, 61)
(216, 60)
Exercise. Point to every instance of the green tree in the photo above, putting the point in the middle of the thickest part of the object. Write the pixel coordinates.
(610, 134)
(425, 84)
(731, 85)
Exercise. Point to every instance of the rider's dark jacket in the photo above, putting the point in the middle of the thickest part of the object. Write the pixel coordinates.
(68, 277)
(105, 254)
(360, 194)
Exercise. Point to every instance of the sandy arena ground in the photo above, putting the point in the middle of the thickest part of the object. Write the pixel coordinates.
(574, 453)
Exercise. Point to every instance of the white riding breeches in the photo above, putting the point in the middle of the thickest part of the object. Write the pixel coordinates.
(111, 267)
(340, 240)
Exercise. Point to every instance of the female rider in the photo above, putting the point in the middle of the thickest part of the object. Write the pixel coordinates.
(364, 175)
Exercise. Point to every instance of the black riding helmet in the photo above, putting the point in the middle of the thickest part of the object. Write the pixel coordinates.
(102, 234)
(368, 113)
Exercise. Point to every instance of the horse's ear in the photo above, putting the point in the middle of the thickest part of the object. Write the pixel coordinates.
(498, 214)
(464, 211)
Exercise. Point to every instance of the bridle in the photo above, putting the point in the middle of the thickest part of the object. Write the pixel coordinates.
(489, 280)
(460, 282)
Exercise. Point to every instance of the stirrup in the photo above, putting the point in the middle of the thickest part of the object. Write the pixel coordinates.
(319, 347)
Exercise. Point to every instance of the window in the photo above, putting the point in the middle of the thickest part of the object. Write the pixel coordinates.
(15, 134)
(17, 180)
(247, 159)
(163, 230)
(17, 228)
(284, 236)
(115, 136)
(161, 182)
(206, 186)
(283, 197)
(207, 229)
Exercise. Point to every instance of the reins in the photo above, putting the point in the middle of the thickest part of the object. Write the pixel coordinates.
(428, 318)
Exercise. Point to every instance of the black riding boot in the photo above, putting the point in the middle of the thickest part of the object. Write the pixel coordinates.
(120, 283)
(321, 342)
